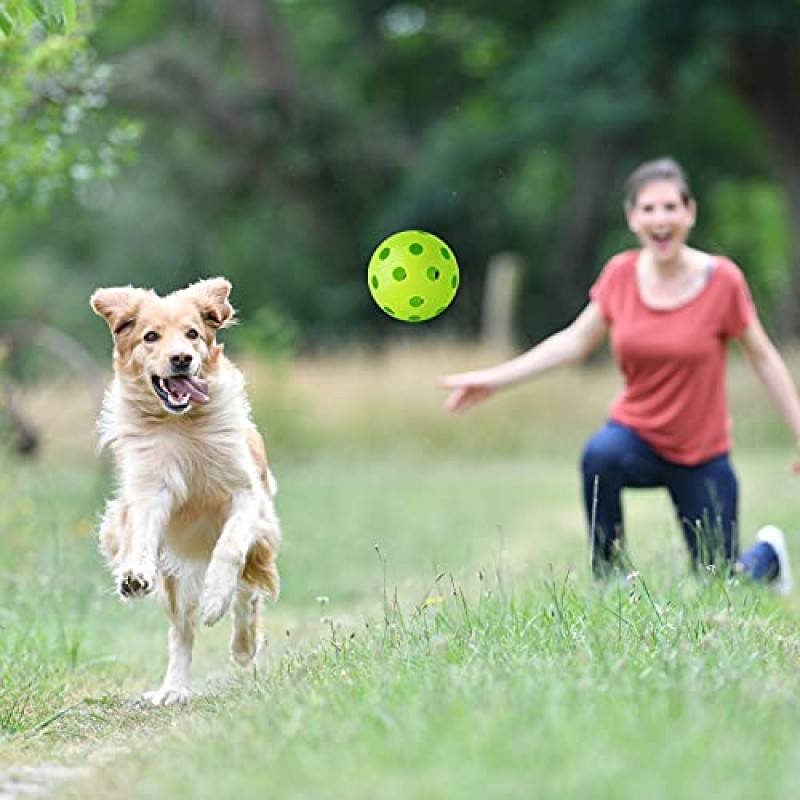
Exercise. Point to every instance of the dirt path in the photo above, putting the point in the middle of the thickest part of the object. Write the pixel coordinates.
(28, 782)
(111, 728)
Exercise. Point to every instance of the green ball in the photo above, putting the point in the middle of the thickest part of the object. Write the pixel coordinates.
(413, 276)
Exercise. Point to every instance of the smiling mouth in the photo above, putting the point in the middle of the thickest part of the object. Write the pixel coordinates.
(178, 392)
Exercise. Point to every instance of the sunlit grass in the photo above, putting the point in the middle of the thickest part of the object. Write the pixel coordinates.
(572, 689)
(387, 401)
(438, 634)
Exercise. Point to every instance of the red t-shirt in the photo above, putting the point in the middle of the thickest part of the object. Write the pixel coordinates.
(673, 361)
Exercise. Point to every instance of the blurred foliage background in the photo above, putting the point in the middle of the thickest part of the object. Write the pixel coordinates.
(277, 141)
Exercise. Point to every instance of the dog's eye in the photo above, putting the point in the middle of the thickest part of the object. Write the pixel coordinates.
(192, 334)
(151, 336)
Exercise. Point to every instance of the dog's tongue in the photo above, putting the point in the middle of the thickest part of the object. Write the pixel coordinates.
(196, 388)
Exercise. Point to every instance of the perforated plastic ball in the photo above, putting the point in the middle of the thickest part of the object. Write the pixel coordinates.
(413, 276)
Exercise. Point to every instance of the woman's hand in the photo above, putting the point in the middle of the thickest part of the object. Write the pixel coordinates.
(468, 390)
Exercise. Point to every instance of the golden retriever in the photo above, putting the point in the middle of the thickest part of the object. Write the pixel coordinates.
(193, 516)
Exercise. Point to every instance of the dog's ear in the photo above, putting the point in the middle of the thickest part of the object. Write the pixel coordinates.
(118, 306)
(211, 296)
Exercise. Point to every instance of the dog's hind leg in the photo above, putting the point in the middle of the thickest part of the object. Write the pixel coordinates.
(181, 608)
(246, 636)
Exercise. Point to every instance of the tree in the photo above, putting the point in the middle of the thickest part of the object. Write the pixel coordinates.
(764, 65)
(52, 91)
(284, 138)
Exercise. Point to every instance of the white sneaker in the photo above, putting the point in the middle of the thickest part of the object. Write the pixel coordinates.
(773, 536)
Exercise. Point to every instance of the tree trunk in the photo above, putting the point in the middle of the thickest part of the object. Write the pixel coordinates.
(254, 24)
(575, 254)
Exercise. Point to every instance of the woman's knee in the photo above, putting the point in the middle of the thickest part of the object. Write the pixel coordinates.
(602, 453)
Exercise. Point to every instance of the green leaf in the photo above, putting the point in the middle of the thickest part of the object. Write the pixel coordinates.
(70, 14)
(49, 13)
(54, 15)
(6, 23)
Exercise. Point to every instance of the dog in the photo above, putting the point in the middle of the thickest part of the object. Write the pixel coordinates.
(193, 518)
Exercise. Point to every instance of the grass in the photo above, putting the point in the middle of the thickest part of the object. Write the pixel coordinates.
(552, 690)
(438, 634)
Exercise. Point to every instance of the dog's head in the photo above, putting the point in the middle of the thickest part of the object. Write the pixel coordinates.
(165, 347)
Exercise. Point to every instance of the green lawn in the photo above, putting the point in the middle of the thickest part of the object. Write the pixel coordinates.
(438, 636)
(511, 675)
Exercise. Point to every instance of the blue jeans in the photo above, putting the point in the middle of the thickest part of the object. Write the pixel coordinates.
(705, 497)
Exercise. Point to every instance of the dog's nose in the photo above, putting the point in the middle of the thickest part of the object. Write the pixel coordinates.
(180, 361)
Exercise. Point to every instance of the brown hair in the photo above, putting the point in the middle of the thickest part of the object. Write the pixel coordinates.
(662, 169)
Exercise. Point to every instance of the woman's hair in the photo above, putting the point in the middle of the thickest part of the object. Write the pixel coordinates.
(662, 169)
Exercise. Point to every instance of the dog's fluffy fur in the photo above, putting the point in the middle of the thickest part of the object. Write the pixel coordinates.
(193, 517)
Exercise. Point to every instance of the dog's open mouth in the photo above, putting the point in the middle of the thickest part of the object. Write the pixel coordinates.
(178, 392)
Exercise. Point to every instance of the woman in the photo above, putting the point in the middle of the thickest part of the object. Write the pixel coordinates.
(670, 311)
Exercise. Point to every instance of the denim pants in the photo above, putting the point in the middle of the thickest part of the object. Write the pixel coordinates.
(705, 496)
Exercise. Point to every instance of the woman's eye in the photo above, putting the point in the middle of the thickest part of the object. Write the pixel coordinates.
(151, 336)
(192, 334)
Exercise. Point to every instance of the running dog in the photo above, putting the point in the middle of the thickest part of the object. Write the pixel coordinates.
(193, 518)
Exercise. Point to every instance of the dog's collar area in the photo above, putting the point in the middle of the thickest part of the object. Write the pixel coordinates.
(177, 392)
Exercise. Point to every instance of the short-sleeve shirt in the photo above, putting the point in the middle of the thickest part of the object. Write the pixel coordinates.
(673, 360)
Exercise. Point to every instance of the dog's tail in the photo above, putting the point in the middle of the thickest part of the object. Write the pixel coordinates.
(261, 570)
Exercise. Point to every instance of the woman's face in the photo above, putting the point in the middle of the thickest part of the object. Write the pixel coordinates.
(661, 219)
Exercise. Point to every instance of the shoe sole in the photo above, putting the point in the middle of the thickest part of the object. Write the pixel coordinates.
(773, 536)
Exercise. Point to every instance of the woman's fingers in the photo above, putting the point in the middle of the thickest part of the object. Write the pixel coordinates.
(465, 396)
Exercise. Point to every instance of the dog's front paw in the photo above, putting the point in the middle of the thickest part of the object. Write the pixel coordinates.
(168, 696)
(135, 583)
